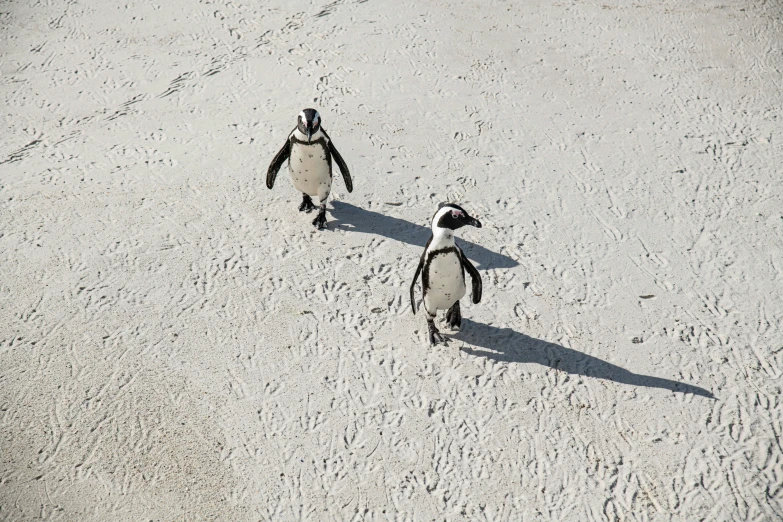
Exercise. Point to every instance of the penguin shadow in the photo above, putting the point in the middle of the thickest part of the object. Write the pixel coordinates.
(505, 344)
(355, 219)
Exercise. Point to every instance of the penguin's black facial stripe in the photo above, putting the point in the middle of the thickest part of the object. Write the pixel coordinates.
(455, 217)
(451, 221)
(308, 119)
(310, 115)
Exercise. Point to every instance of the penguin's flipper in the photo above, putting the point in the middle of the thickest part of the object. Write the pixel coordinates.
(277, 162)
(416, 277)
(413, 284)
(340, 162)
(475, 277)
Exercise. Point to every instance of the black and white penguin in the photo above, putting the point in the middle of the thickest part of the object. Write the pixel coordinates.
(309, 152)
(442, 267)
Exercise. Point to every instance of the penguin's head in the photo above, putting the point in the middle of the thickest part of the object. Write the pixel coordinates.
(451, 216)
(309, 122)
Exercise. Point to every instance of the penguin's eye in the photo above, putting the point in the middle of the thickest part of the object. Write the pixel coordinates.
(456, 214)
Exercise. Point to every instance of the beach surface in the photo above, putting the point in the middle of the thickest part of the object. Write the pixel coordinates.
(178, 342)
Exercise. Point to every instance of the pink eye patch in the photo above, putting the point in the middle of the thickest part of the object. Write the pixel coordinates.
(456, 213)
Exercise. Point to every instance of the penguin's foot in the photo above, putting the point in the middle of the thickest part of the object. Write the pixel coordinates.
(320, 220)
(307, 204)
(454, 317)
(438, 338)
(435, 336)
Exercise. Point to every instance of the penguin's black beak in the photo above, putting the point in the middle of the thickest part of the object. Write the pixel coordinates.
(309, 131)
(473, 222)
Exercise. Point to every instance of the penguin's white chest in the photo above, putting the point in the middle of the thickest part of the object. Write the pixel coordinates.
(310, 169)
(446, 282)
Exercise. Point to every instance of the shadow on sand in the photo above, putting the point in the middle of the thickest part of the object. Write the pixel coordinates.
(510, 346)
(350, 217)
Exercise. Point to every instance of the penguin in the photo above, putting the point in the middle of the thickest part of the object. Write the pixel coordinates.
(309, 152)
(442, 267)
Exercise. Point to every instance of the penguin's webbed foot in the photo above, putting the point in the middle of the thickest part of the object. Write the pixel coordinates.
(307, 204)
(438, 338)
(435, 336)
(320, 220)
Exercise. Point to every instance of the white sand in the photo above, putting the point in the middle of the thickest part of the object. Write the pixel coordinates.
(178, 343)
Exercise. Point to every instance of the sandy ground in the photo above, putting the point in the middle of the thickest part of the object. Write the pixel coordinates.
(177, 342)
